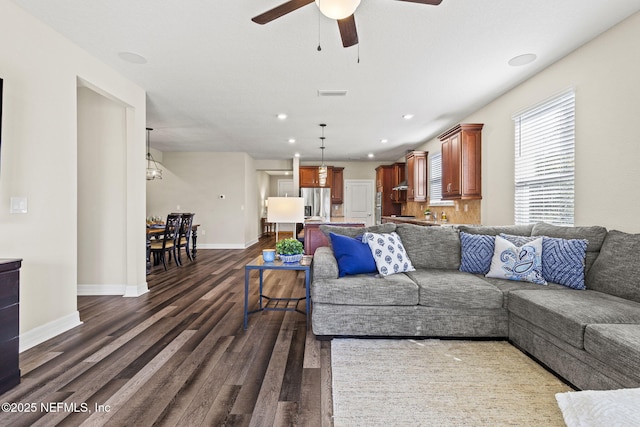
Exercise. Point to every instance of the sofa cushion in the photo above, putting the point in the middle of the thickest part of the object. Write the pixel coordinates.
(566, 313)
(615, 345)
(507, 286)
(519, 230)
(455, 289)
(521, 263)
(396, 289)
(388, 253)
(324, 265)
(353, 256)
(616, 271)
(431, 247)
(594, 235)
(476, 252)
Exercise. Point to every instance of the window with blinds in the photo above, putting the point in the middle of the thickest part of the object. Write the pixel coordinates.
(545, 162)
(435, 180)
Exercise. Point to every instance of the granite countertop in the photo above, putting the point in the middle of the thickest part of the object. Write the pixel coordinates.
(336, 220)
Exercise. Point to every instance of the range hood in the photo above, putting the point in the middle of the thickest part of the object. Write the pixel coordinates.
(403, 184)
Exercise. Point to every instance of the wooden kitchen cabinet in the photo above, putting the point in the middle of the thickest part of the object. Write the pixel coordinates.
(9, 323)
(462, 162)
(385, 177)
(309, 177)
(337, 185)
(398, 175)
(417, 178)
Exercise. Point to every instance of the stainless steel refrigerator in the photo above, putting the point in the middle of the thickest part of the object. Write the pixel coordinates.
(317, 203)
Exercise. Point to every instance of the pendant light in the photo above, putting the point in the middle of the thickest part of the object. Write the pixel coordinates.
(322, 170)
(153, 171)
(337, 9)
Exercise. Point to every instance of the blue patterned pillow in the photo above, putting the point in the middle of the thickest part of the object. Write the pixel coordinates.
(563, 261)
(522, 263)
(353, 256)
(477, 251)
(388, 253)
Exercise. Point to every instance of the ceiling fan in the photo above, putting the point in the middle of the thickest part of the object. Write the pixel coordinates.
(340, 10)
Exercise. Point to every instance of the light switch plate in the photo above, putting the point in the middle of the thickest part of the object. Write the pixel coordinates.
(18, 205)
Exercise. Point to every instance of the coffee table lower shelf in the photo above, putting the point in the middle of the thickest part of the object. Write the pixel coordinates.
(272, 303)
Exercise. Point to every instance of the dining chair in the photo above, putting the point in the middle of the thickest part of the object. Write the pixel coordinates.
(167, 242)
(184, 237)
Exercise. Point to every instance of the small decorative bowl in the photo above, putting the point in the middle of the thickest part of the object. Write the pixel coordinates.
(290, 258)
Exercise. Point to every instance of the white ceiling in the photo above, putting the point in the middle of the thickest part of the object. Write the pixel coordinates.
(215, 81)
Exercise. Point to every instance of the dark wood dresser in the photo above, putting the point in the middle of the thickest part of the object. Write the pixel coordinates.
(9, 323)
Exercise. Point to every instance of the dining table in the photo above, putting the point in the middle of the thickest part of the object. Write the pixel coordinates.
(155, 230)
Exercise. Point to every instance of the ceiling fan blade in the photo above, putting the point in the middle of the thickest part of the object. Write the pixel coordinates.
(348, 31)
(431, 2)
(279, 11)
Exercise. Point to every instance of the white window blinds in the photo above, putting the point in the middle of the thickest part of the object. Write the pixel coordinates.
(435, 181)
(545, 162)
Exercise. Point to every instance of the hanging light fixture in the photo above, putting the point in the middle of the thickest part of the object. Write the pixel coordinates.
(337, 9)
(322, 170)
(153, 171)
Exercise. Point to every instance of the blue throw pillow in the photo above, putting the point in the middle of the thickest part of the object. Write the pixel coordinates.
(563, 261)
(477, 251)
(353, 256)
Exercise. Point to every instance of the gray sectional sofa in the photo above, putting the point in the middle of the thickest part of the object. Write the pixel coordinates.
(589, 337)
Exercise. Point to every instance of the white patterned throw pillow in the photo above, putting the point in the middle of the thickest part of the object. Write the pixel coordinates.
(388, 253)
(523, 263)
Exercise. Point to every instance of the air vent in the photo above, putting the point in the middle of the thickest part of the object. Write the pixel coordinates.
(332, 92)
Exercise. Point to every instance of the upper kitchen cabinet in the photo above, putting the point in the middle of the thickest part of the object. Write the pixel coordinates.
(461, 162)
(337, 185)
(417, 178)
(309, 177)
(398, 177)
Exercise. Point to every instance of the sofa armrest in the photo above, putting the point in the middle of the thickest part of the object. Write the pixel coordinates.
(325, 265)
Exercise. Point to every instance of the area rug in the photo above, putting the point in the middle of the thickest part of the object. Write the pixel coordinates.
(592, 408)
(385, 382)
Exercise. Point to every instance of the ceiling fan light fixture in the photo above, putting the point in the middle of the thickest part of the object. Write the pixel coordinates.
(337, 9)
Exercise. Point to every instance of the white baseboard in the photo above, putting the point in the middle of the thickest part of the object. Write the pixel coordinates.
(95, 290)
(136, 291)
(226, 245)
(124, 290)
(49, 330)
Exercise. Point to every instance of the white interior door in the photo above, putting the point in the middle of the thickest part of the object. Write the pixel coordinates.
(358, 203)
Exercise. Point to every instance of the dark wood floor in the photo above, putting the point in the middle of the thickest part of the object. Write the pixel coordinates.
(179, 356)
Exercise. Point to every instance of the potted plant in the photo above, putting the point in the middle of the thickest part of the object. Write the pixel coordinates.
(290, 250)
(427, 214)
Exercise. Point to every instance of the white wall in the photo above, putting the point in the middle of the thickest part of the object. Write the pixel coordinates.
(195, 181)
(39, 161)
(101, 195)
(605, 74)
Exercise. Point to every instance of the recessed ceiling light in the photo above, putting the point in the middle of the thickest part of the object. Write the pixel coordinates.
(133, 58)
(370, 155)
(520, 60)
(384, 141)
(282, 116)
(408, 116)
(291, 140)
(297, 155)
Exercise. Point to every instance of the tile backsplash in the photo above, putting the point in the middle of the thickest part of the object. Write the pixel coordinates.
(463, 211)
